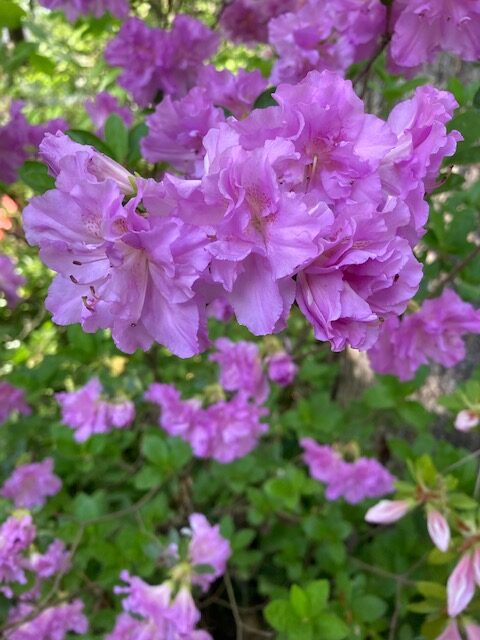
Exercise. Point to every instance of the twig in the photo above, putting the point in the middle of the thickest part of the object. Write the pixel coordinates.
(456, 270)
(461, 462)
(234, 606)
(396, 613)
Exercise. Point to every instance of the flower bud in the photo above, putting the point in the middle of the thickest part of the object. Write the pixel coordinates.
(103, 167)
(472, 630)
(438, 530)
(466, 420)
(460, 586)
(450, 632)
(183, 611)
(387, 511)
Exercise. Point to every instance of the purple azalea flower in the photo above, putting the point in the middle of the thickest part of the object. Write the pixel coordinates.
(281, 368)
(352, 481)
(247, 20)
(56, 559)
(102, 106)
(241, 368)
(87, 414)
(155, 60)
(237, 93)
(30, 484)
(16, 535)
(12, 399)
(176, 130)
(19, 140)
(207, 546)
(54, 622)
(431, 334)
(224, 431)
(10, 280)
(424, 28)
(117, 267)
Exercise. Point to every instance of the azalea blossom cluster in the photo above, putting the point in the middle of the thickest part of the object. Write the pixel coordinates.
(168, 610)
(17, 557)
(87, 413)
(75, 8)
(19, 140)
(308, 36)
(353, 481)
(12, 399)
(10, 281)
(228, 428)
(431, 334)
(312, 201)
(158, 61)
(30, 484)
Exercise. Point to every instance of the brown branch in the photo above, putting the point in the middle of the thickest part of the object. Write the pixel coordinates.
(450, 277)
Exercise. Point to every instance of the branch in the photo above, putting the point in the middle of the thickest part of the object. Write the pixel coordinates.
(450, 277)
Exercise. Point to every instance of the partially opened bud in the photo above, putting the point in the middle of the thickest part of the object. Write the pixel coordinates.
(438, 530)
(460, 586)
(473, 631)
(476, 565)
(466, 420)
(450, 632)
(387, 511)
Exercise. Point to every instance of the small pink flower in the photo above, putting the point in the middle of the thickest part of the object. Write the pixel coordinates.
(387, 511)
(450, 632)
(466, 420)
(461, 585)
(438, 530)
(476, 565)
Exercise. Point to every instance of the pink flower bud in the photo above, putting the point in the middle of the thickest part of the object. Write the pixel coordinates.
(103, 167)
(450, 632)
(460, 586)
(466, 420)
(387, 511)
(438, 530)
(476, 565)
(472, 630)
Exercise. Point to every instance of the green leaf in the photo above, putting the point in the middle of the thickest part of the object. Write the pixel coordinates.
(369, 608)
(85, 137)
(135, 134)
(277, 613)
(35, 175)
(203, 568)
(318, 592)
(476, 100)
(154, 448)
(331, 627)
(116, 136)
(299, 601)
(265, 99)
(42, 63)
(431, 590)
(11, 14)
(88, 507)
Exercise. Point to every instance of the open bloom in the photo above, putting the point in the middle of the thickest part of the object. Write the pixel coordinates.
(224, 431)
(117, 267)
(208, 547)
(87, 413)
(12, 399)
(19, 140)
(353, 481)
(10, 281)
(30, 484)
(16, 535)
(434, 333)
(241, 368)
(53, 622)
